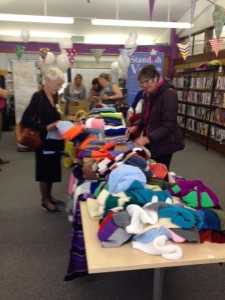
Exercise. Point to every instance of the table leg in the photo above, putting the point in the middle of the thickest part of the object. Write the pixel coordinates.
(158, 283)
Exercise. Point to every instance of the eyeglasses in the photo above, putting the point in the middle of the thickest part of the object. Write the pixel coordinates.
(144, 82)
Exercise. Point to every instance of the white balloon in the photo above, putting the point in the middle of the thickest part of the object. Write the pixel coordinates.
(133, 34)
(63, 62)
(115, 67)
(66, 43)
(49, 59)
(25, 35)
(123, 63)
(122, 74)
(130, 43)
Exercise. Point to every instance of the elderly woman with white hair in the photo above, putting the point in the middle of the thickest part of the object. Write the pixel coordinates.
(41, 114)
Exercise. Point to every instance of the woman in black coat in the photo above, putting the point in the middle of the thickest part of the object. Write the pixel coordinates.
(158, 121)
(48, 155)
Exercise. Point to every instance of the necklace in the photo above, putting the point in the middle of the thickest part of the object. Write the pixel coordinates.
(58, 109)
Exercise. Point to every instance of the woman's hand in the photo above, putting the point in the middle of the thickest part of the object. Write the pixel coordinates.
(106, 97)
(50, 127)
(142, 141)
(131, 130)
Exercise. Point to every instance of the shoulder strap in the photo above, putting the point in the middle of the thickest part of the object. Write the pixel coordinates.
(37, 117)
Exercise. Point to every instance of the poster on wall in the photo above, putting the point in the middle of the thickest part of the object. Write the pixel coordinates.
(137, 61)
(24, 84)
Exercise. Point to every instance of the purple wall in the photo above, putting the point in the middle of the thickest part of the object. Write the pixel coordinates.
(171, 51)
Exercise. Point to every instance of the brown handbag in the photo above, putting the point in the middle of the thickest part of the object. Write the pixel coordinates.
(26, 136)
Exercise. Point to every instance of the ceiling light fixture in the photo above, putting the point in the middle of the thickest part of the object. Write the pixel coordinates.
(130, 23)
(36, 19)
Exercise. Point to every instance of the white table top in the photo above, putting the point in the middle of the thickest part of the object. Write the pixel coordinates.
(124, 258)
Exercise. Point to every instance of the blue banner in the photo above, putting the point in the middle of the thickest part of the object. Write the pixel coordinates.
(137, 61)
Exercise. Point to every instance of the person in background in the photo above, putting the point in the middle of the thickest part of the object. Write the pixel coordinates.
(48, 155)
(110, 92)
(136, 106)
(94, 93)
(4, 94)
(158, 120)
(74, 91)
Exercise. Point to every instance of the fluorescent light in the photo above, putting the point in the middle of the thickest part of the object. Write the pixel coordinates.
(129, 23)
(36, 19)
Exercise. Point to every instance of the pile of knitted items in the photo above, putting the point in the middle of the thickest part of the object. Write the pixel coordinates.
(194, 193)
(108, 164)
(124, 226)
(135, 194)
(113, 234)
(115, 126)
(96, 151)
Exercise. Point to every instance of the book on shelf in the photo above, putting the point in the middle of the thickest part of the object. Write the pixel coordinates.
(219, 99)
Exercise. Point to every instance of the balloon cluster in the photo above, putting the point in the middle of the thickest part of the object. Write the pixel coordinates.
(63, 61)
(120, 68)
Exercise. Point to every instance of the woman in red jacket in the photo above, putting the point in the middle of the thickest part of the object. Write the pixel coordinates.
(158, 121)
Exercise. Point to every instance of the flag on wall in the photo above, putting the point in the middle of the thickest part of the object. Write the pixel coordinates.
(218, 19)
(184, 49)
(216, 44)
(193, 4)
(71, 53)
(97, 54)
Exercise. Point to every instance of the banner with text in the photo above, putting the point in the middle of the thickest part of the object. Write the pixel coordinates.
(137, 61)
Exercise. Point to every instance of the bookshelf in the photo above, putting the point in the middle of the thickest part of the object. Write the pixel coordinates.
(201, 104)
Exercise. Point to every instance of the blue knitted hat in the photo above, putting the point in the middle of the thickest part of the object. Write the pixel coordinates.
(122, 177)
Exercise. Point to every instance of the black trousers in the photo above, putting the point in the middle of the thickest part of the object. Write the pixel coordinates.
(164, 159)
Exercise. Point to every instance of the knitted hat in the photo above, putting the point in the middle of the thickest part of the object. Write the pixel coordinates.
(141, 163)
(159, 246)
(151, 234)
(122, 219)
(68, 130)
(190, 235)
(221, 214)
(195, 194)
(111, 235)
(183, 217)
(121, 178)
(159, 170)
(211, 219)
(94, 123)
(139, 217)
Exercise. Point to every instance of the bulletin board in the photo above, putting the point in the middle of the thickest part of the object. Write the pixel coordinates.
(88, 75)
(25, 84)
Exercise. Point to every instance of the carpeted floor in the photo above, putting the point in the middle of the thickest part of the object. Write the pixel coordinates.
(34, 246)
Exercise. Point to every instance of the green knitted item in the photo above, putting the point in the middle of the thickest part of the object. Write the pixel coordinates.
(99, 188)
(111, 115)
(191, 199)
(164, 185)
(206, 201)
(176, 189)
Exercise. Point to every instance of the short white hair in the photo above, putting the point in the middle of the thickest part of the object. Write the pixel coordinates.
(54, 74)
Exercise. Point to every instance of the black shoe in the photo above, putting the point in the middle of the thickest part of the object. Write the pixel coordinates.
(58, 202)
(54, 211)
